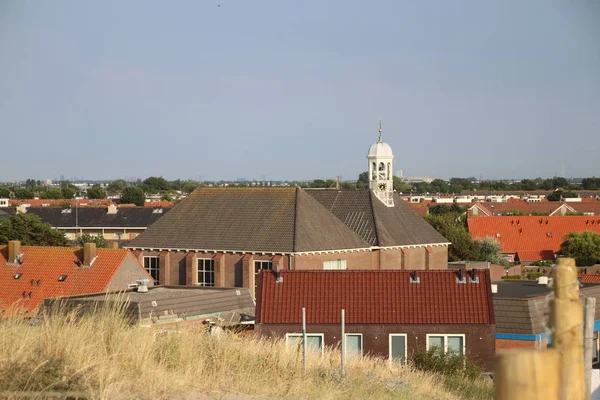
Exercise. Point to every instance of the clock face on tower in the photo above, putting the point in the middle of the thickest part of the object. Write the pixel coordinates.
(382, 187)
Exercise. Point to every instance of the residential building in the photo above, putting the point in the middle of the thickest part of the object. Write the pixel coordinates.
(522, 310)
(29, 274)
(388, 314)
(529, 239)
(112, 223)
(165, 305)
(224, 236)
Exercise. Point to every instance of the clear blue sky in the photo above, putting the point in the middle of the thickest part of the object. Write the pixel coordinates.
(294, 89)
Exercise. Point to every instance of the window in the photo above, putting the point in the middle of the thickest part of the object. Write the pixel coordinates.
(398, 347)
(337, 264)
(448, 343)
(258, 265)
(354, 345)
(314, 341)
(206, 272)
(151, 265)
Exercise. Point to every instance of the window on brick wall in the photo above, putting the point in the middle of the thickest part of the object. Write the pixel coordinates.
(152, 265)
(448, 343)
(206, 272)
(260, 265)
(337, 264)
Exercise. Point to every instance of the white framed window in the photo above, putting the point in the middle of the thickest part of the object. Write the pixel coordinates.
(397, 348)
(260, 265)
(334, 265)
(447, 342)
(314, 341)
(354, 345)
(152, 265)
(205, 272)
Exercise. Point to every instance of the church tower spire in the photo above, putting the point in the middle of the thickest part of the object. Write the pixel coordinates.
(381, 160)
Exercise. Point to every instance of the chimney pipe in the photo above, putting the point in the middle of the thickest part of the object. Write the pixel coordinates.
(89, 254)
(14, 250)
(278, 277)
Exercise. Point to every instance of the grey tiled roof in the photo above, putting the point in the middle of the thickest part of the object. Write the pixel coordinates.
(95, 217)
(285, 220)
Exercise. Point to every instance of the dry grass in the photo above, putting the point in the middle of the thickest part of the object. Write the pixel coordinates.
(104, 357)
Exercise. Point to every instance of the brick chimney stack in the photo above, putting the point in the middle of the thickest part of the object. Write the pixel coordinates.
(89, 254)
(113, 245)
(14, 249)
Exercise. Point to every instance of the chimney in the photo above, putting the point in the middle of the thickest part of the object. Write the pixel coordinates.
(494, 288)
(278, 277)
(113, 245)
(89, 254)
(543, 280)
(14, 250)
(112, 209)
(21, 209)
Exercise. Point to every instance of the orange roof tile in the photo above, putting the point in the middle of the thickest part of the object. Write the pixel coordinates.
(589, 278)
(374, 297)
(538, 234)
(41, 268)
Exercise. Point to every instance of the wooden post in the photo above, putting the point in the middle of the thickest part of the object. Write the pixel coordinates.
(343, 343)
(304, 339)
(588, 344)
(527, 374)
(567, 330)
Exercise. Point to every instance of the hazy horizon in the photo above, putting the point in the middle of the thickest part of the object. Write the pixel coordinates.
(294, 90)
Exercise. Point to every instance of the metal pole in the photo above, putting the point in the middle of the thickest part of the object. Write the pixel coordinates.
(588, 340)
(343, 343)
(304, 339)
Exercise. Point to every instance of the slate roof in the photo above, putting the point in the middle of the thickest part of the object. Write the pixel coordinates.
(374, 297)
(45, 265)
(96, 217)
(542, 234)
(285, 220)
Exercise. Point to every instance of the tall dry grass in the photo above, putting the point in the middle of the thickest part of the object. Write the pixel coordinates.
(104, 357)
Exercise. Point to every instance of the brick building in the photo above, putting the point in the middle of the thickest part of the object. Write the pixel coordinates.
(389, 314)
(224, 236)
(30, 274)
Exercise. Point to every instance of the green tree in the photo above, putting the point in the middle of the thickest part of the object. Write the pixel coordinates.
(133, 194)
(31, 231)
(23, 194)
(96, 192)
(439, 186)
(87, 238)
(449, 225)
(4, 192)
(584, 247)
(190, 187)
(117, 186)
(491, 251)
(156, 184)
(440, 209)
(400, 185)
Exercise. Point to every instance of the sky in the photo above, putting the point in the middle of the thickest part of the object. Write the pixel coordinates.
(294, 89)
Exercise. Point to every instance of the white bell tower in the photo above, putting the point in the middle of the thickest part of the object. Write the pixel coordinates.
(381, 169)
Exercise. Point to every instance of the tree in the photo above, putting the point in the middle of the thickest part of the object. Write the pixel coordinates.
(449, 225)
(133, 194)
(491, 251)
(23, 194)
(440, 209)
(439, 186)
(190, 187)
(584, 247)
(31, 231)
(4, 192)
(96, 192)
(116, 186)
(52, 194)
(400, 185)
(156, 184)
(87, 238)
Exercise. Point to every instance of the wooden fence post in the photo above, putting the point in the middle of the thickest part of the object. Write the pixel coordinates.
(527, 374)
(567, 330)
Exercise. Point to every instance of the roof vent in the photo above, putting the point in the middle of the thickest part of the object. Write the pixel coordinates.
(460, 277)
(66, 211)
(112, 209)
(549, 234)
(497, 234)
(413, 278)
(62, 278)
(157, 211)
(473, 278)
(17, 276)
(278, 277)
(494, 288)
(543, 280)
(142, 285)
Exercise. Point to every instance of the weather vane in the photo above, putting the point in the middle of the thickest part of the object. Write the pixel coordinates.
(380, 129)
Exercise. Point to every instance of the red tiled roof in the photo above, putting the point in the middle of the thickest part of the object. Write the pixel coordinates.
(525, 207)
(46, 264)
(374, 297)
(541, 234)
(589, 278)
(587, 207)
